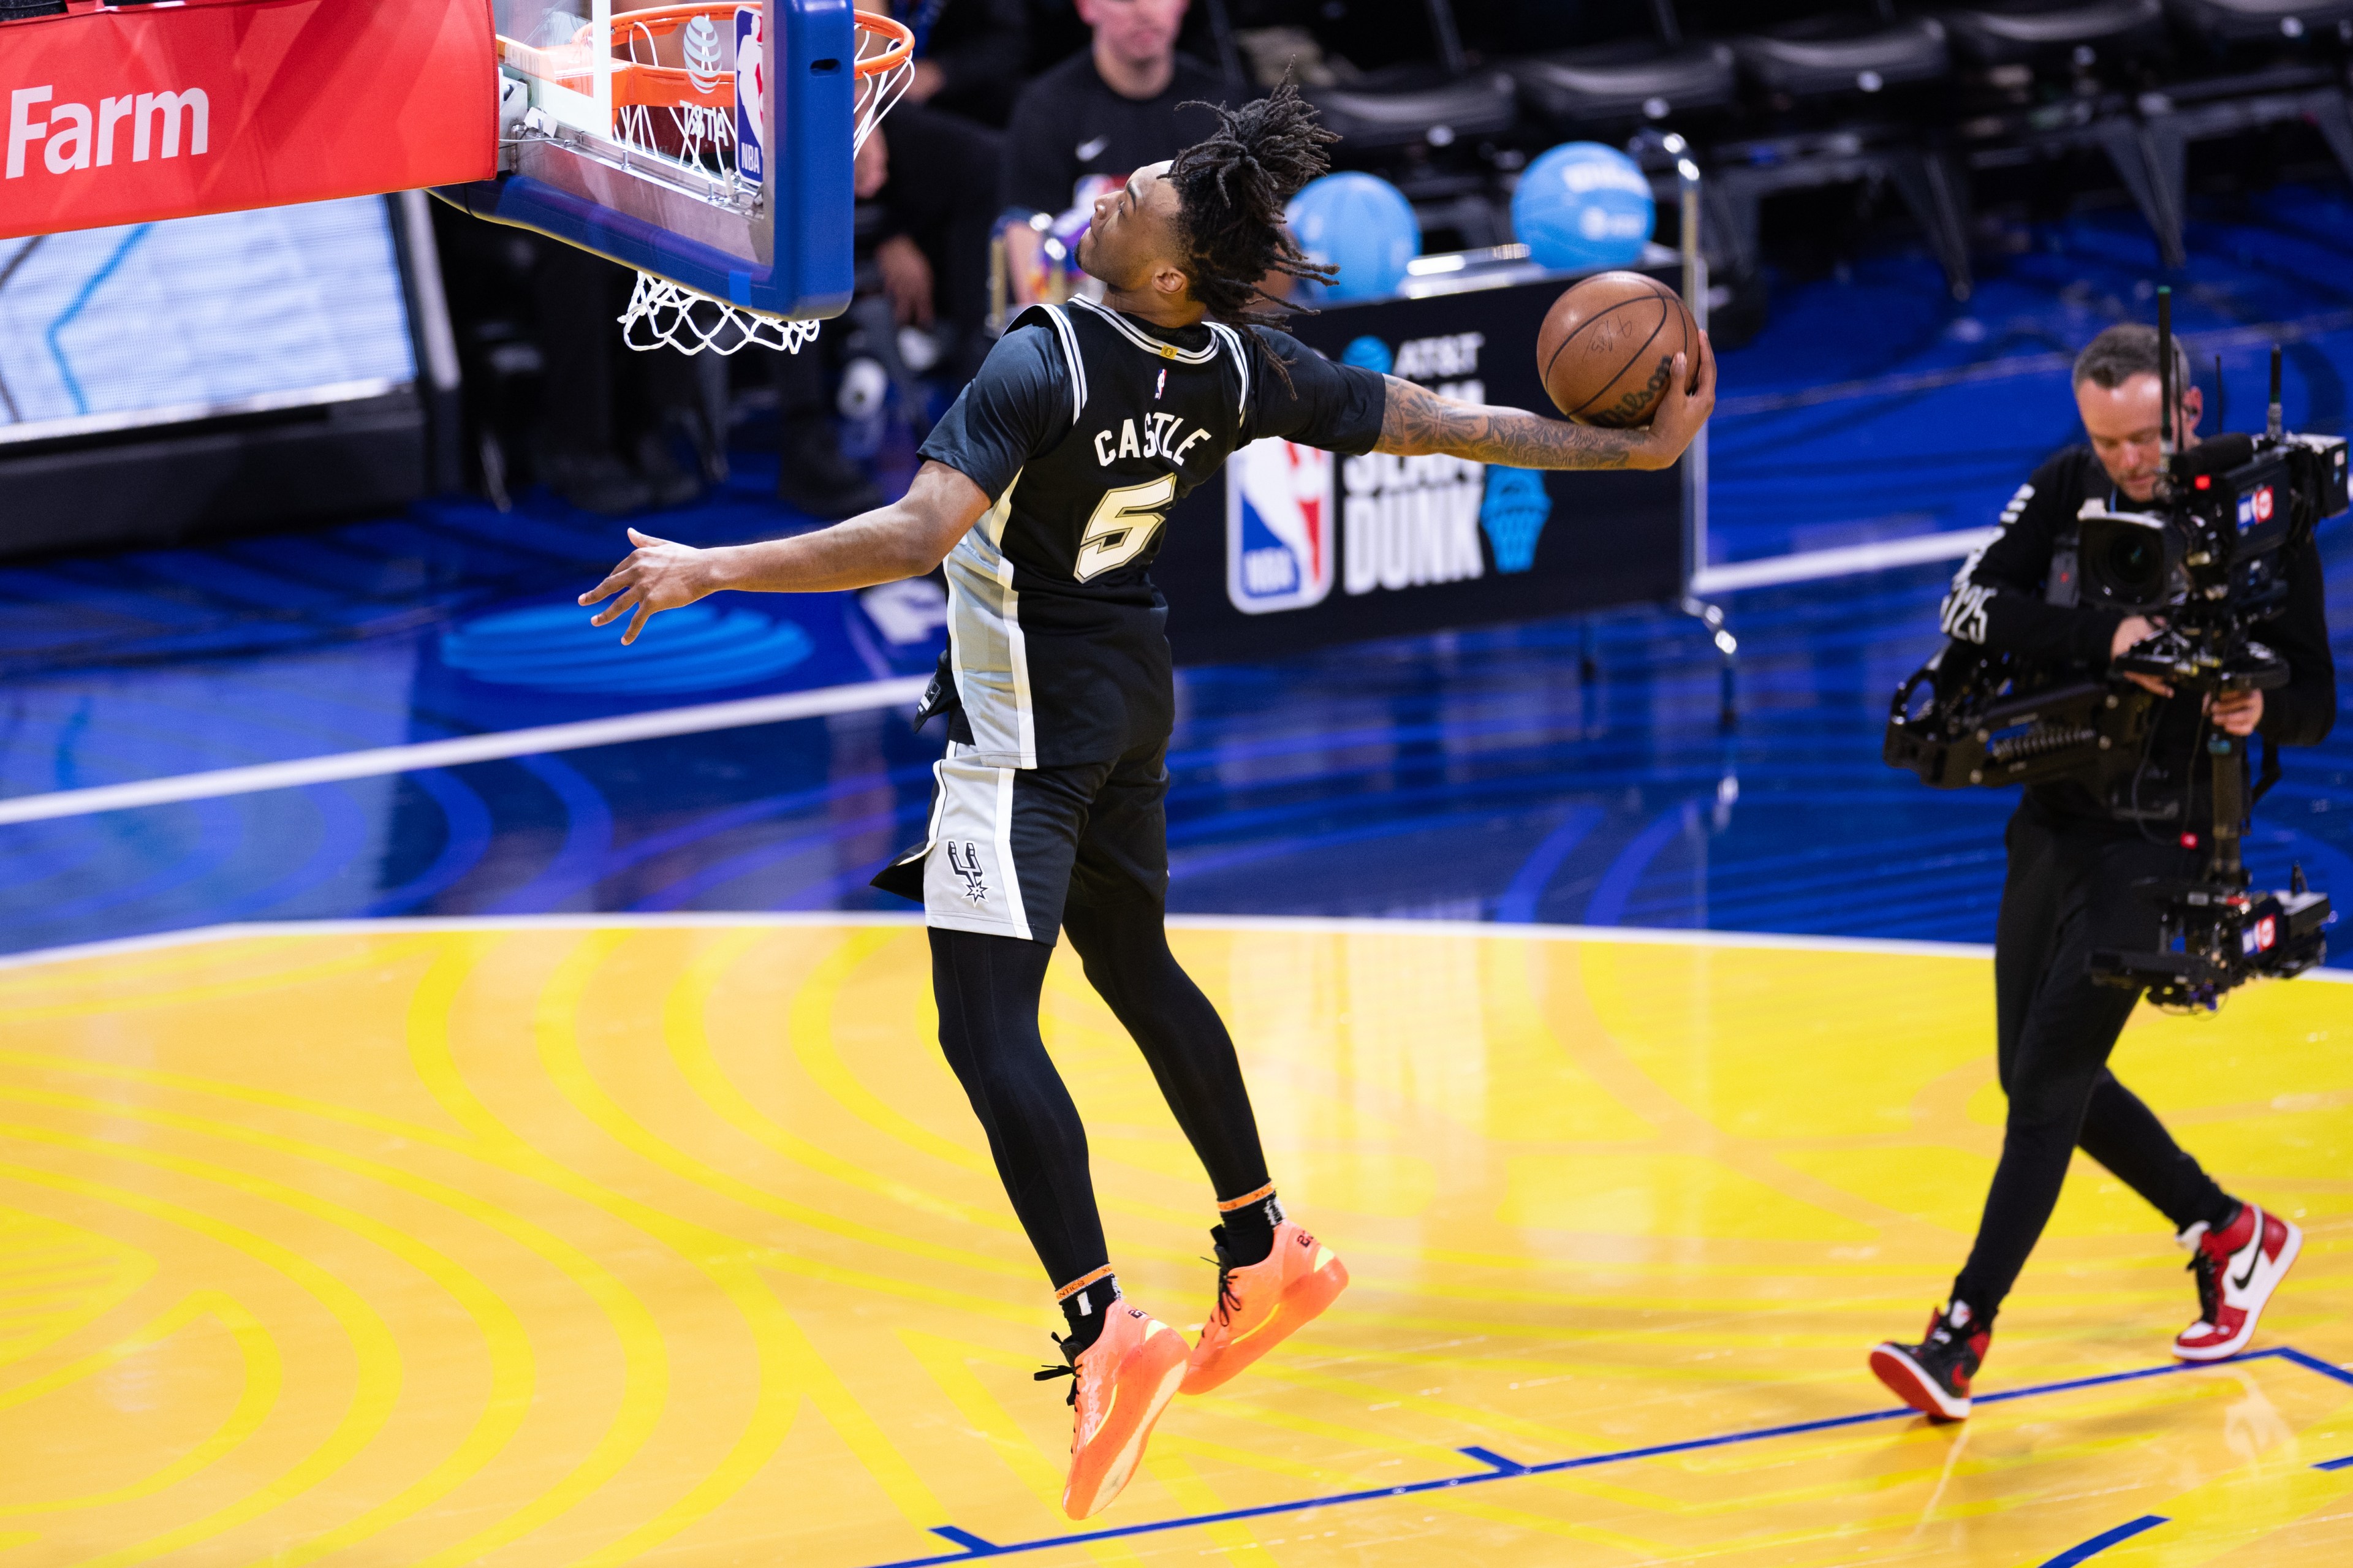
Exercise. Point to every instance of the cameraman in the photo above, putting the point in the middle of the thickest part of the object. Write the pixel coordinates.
(2073, 858)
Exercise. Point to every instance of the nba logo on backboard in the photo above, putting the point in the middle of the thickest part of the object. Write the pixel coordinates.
(1279, 533)
(751, 96)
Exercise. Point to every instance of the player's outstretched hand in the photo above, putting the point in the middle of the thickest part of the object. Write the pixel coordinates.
(657, 575)
(1682, 413)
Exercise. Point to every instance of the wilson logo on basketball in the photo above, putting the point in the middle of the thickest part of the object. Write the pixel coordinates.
(73, 137)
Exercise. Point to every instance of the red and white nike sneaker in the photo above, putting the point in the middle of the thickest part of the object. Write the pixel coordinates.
(1124, 1381)
(2238, 1267)
(1933, 1376)
(1262, 1304)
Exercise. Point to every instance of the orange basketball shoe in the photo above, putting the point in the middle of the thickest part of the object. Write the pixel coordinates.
(1262, 1304)
(1124, 1380)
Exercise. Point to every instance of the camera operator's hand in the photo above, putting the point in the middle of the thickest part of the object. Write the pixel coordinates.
(2237, 712)
(2130, 631)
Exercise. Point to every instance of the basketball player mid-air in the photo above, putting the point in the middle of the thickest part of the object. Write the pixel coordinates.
(1044, 491)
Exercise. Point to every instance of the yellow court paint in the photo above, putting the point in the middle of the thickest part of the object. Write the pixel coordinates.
(559, 1242)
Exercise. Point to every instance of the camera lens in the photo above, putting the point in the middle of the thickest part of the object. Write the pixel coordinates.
(2133, 566)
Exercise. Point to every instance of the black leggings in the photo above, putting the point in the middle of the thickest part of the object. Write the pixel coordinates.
(2068, 894)
(989, 988)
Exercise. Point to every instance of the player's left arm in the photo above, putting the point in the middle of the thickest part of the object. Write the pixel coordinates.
(1416, 420)
(905, 539)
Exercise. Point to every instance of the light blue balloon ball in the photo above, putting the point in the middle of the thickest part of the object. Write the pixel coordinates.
(1362, 224)
(1584, 206)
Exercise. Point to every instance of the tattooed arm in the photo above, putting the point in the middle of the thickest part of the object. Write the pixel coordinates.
(1416, 420)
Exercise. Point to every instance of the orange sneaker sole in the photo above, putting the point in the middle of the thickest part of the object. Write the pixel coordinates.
(1302, 1304)
(1127, 1431)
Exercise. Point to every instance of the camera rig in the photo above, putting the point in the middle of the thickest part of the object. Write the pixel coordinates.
(2207, 565)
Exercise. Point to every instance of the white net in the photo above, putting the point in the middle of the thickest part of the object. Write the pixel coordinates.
(663, 314)
(879, 91)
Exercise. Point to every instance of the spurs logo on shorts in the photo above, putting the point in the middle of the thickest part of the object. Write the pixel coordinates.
(967, 866)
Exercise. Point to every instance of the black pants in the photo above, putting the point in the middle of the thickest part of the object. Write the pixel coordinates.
(2069, 893)
(988, 987)
(1086, 847)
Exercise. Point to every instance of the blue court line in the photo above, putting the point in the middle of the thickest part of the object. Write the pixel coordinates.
(91, 285)
(2106, 1539)
(1499, 1468)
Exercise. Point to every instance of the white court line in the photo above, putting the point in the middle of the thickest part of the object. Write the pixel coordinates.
(463, 749)
(708, 919)
(1636, 936)
(1813, 565)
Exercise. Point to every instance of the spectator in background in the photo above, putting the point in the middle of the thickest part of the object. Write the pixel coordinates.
(934, 171)
(608, 414)
(926, 180)
(813, 474)
(1109, 110)
(971, 55)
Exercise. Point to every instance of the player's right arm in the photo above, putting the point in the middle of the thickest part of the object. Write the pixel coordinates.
(905, 539)
(1416, 420)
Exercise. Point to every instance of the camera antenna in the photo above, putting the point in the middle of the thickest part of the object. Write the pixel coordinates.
(2275, 426)
(2166, 391)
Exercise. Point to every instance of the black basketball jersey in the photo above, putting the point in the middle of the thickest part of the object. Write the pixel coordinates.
(1085, 426)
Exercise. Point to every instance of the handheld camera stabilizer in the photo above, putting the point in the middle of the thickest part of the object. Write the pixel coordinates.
(2207, 565)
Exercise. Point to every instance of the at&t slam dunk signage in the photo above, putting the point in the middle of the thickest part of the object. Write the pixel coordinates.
(1315, 548)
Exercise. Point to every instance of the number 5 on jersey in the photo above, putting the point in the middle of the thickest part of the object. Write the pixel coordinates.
(1124, 524)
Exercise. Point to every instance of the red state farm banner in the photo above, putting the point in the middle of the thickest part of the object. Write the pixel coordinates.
(115, 117)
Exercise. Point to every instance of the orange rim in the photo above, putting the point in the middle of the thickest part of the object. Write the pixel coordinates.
(660, 21)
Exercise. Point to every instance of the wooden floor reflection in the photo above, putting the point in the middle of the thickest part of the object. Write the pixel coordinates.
(553, 1242)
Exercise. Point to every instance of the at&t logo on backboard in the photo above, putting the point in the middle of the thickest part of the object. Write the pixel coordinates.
(1281, 534)
(751, 96)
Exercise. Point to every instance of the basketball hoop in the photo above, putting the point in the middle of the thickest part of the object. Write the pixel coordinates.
(684, 118)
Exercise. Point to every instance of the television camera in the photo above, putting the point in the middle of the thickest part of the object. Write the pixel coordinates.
(2208, 565)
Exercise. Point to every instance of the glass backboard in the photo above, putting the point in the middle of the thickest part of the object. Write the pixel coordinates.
(707, 144)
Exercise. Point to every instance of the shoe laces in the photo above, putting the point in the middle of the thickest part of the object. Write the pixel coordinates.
(2207, 1272)
(1230, 1299)
(1070, 1369)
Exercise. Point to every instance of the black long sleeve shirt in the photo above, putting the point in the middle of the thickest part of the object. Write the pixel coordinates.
(2002, 599)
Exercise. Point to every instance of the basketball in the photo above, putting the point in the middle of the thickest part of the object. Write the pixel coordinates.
(1608, 347)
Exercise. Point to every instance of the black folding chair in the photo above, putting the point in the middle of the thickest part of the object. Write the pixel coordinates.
(1824, 55)
(1434, 103)
(1851, 92)
(2056, 36)
(2292, 24)
(1609, 86)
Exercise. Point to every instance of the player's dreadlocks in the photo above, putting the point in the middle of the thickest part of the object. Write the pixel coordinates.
(1231, 190)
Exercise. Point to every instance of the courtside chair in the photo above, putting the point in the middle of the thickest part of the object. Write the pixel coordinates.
(2048, 78)
(1434, 127)
(2056, 39)
(1847, 93)
(2251, 65)
(1605, 89)
(1421, 104)
(1822, 55)
(2261, 24)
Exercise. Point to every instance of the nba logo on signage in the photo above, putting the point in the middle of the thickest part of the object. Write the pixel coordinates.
(1280, 529)
(750, 95)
